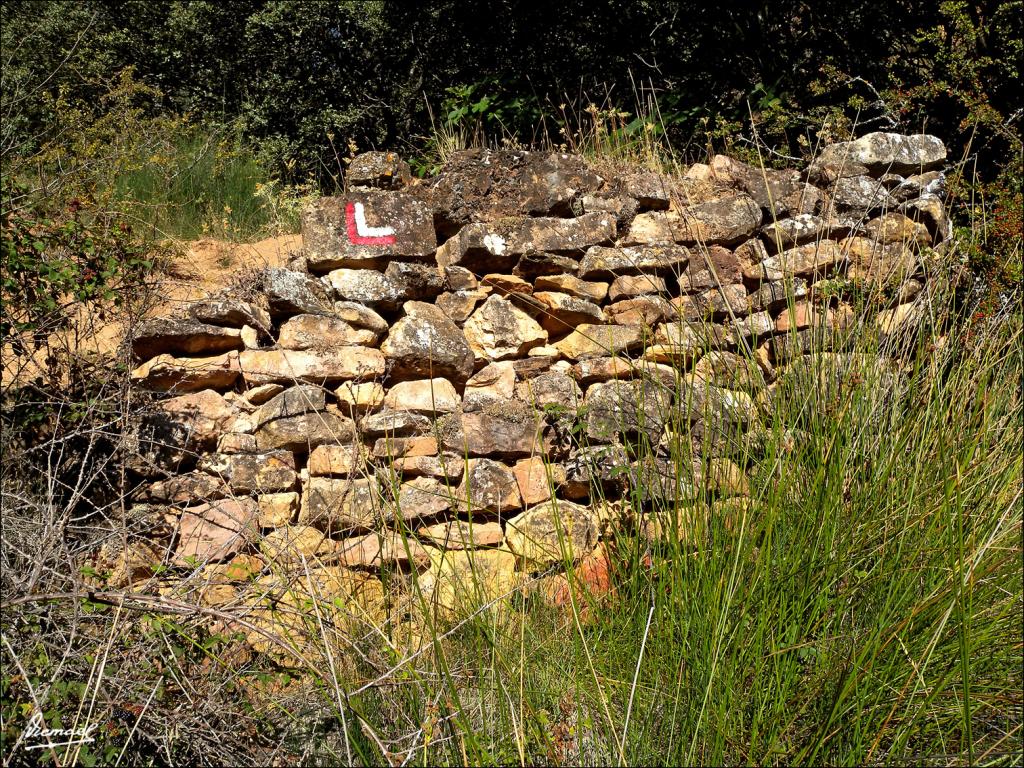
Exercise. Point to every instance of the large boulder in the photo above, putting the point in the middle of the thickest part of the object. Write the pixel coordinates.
(391, 423)
(360, 316)
(480, 247)
(538, 480)
(388, 290)
(202, 416)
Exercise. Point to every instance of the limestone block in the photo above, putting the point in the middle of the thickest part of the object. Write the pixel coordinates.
(536, 478)
(423, 396)
(301, 434)
(812, 260)
(322, 331)
(499, 331)
(215, 531)
(342, 504)
(366, 229)
(462, 534)
(638, 256)
(631, 286)
(601, 341)
(277, 509)
(379, 170)
(230, 312)
(290, 292)
(488, 486)
(319, 366)
(269, 472)
(573, 286)
(336, 460)
(552, 532)
(426, 343)
(182, 336)
(166, 373)
(509, 430)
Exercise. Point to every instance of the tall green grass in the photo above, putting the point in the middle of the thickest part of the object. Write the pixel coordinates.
(863, 608)
(204, 182)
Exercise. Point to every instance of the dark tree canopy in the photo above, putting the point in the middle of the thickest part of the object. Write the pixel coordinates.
(305, 78)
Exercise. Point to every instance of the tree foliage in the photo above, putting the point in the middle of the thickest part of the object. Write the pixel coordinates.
(308, 78)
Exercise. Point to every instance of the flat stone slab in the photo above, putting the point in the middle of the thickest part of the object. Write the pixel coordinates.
(230, 312)
(182, 336)
(460, 534)
(166, 373)
(215, 531)
(301, 434)
(600, 341)
(317, 366)
(608, 263)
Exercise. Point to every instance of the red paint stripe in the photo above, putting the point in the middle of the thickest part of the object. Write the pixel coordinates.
(353, 233)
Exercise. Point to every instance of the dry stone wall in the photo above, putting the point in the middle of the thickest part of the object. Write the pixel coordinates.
(466, 374)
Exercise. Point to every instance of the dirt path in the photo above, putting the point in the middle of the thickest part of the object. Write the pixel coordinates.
(203, 268)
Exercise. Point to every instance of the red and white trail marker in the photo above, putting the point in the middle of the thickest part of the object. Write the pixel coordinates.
(361, 234)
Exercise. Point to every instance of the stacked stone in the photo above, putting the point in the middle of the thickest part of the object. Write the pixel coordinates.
(483, 363)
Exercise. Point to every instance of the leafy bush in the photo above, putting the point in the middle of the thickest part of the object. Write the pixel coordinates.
(51, 260)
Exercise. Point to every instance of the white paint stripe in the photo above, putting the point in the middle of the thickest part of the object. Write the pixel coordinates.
(365, 231)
